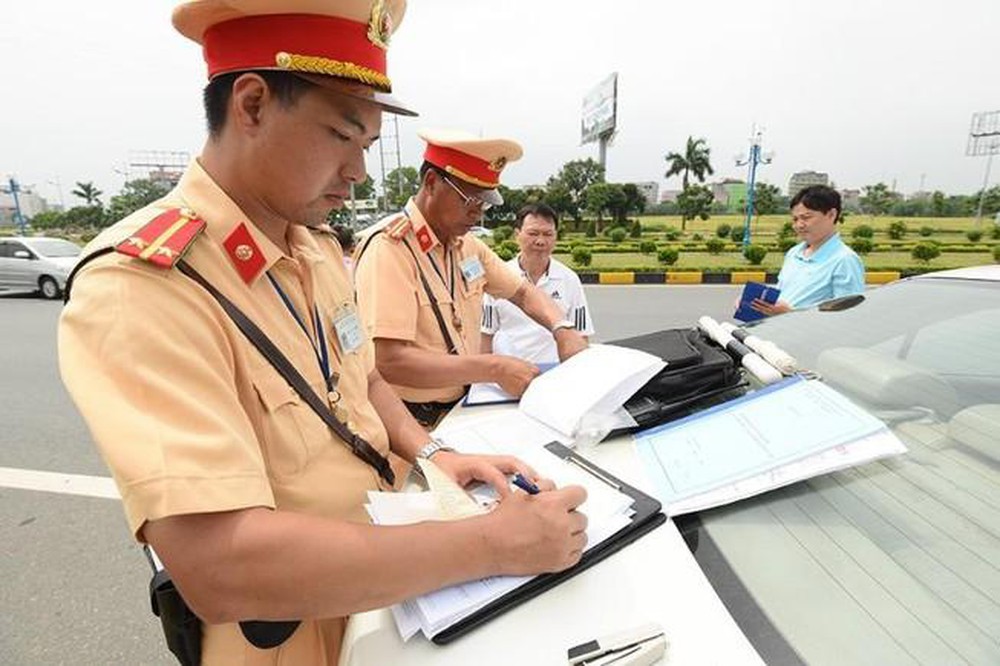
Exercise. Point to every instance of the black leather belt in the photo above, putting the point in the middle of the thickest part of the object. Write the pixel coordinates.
(428, 414)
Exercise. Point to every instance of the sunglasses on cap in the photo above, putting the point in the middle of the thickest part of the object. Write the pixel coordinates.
(469, 201)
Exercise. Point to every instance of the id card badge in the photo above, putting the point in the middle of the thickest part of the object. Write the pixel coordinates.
(350, 334)
(472, 268)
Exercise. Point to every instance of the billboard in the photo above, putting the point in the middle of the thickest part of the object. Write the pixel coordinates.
(600, 108)
(984, 134)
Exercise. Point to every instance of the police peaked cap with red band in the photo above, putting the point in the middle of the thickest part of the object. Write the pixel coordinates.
(477, 161)
(339, 44)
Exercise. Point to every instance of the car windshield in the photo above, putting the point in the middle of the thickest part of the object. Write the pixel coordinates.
(54, 247)
(897, 561)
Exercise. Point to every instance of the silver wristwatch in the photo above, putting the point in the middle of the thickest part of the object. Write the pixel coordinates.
(562, 323)
(432, 447)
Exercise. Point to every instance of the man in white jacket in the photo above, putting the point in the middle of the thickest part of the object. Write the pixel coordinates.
(507, 330)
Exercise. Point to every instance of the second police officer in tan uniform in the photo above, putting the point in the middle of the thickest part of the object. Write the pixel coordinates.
(252, 500)
(421, 277)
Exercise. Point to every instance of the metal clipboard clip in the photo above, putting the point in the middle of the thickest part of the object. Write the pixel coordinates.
(636, 647)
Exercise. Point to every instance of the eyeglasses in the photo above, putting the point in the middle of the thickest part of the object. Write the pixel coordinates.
(470, 202)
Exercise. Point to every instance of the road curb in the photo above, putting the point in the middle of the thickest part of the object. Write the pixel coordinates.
(699, 277)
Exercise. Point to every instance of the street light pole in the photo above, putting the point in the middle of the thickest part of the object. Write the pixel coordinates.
(982, 193)
(12, 189)
(753, 160)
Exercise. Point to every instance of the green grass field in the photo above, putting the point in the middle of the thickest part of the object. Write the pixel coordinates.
(725, 261)
(946, 232)
(771, 224)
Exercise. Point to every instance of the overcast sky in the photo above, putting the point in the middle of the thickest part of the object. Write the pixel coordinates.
(865, 90)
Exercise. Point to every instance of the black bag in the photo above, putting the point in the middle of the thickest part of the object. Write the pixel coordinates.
(699, 373)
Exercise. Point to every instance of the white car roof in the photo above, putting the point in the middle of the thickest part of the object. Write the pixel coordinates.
(989, 273)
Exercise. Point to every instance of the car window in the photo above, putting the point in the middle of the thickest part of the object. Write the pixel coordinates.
(896, 561)
(14, 246)
(55, 247)
(5, 250)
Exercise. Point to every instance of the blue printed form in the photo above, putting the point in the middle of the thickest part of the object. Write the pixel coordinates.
(752, 435)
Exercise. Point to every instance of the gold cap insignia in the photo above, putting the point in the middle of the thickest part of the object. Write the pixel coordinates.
(498, 164)
(380, 25)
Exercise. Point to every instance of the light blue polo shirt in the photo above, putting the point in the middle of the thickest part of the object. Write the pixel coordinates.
(832, 271)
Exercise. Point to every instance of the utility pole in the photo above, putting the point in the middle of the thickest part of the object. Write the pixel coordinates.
(388, 153)
(753, 160)
(12, 189)
(58, 183)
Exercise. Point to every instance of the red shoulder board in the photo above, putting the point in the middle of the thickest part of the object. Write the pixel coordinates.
(163, 240)
(396, 230)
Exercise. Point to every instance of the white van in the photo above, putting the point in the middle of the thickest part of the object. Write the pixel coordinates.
(36, 264)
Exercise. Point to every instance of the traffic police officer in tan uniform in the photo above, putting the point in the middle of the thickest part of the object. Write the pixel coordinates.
(421, 276)
(252, 501)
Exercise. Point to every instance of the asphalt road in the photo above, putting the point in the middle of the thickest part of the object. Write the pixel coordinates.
(74, 583)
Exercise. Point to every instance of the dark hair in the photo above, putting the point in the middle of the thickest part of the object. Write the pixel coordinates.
(285, 86)
(539, 209)
(345, 236)
(818, 197)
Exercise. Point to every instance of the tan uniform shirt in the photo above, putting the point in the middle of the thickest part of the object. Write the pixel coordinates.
(187, 413)
(394, 304)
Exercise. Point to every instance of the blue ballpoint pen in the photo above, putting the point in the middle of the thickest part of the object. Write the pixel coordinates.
(525, 484)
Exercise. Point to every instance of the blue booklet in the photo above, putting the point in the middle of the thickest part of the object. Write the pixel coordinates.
(751, 291)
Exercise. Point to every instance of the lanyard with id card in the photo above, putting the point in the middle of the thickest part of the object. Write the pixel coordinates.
(472, 268)
(347, 324)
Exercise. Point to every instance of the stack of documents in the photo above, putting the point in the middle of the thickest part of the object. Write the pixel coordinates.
(593, 384)
(786, 432)
(608, 510)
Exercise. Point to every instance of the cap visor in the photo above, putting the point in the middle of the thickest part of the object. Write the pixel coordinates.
(387, 102)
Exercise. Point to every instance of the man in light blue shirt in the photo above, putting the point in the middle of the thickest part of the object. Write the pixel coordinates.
(822, 266)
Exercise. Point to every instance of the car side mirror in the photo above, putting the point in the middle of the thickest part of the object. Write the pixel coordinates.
(842, 303)
(22, 254)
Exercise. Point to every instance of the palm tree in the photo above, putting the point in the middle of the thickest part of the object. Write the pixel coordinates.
(89, 193)
(693, 161)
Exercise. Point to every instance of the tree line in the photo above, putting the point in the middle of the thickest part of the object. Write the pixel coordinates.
(577, 192)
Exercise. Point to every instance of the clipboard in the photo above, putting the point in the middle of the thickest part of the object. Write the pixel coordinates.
(648, 516)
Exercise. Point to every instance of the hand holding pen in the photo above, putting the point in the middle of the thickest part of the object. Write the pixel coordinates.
(526, 484)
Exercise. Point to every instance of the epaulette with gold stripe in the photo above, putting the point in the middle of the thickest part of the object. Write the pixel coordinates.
(397, 229)
(163, 240)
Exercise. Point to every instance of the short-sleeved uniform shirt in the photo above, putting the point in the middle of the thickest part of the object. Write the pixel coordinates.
(190, 417)
(832, 271)
(516, 334)
(394, 304)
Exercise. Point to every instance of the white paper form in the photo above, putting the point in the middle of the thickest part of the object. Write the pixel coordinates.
(598, 380)
(490, 393)
(880, 444)
(506, 433)
(487, 393)
(760, 432)
(607, 509)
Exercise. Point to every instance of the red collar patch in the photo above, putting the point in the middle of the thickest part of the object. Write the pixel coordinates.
(247, 257)
(424, 239)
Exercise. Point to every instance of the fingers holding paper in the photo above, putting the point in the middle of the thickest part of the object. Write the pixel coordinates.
(494, 470)
(514, 374)
(539, 533)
